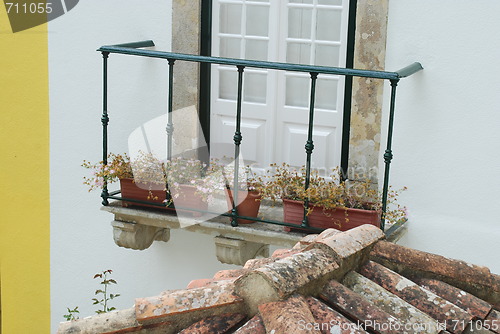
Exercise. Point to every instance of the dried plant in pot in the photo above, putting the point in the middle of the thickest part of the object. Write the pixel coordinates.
(328, 202)
(146, 178)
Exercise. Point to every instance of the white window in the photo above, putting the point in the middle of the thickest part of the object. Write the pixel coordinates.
(275, 104)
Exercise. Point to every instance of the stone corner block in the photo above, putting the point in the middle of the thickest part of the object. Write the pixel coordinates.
(137, 236)
(235, 251)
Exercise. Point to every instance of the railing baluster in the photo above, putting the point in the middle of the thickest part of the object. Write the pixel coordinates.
(309, 144)
(388, 152)
(237, 142)
(105, 121)
(170, 124)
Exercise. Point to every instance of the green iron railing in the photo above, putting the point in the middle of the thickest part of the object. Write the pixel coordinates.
(314, 71)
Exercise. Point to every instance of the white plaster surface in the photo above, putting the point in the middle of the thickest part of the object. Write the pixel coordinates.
(446, 140)
(447, 126)
(81, 235)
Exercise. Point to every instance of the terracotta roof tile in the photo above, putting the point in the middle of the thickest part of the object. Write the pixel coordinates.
(282, 253)
(215, 324)
(101, 323)
(391, 304)
(493, 321)
(277, 294)
(289, 316)
(410, 262)
(350, 248)
(344, 245)
(360, 309)
(158, 328)
(198, 283)
(231, 273)
(476, 327)
(252, 326)
(257, 263)
(426, 301)
(305, 241)
(470, 303)
(330, 321)
(166, 306)
(281, 278)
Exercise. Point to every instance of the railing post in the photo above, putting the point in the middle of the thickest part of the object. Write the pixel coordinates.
(309, 144)
(105, 121)
(237, 142)
(170, 124)
(388, 152)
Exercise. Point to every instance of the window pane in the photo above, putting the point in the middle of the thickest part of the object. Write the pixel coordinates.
(230, 18)
(256, 49)
(298, 53)
(300, 1)
(230, 47)
(297, 91)
(327, 55)
(255, 87)
(326, 94)
(257, 20)
(228, 84)
(330, 2)
(299, 23)
(328, 25)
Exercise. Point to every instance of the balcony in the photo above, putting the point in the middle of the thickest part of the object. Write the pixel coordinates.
(137, 227)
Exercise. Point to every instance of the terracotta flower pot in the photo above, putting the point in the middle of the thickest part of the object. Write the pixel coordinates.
(187, 197)
(341, 219)
(248, 207)
(131, 190)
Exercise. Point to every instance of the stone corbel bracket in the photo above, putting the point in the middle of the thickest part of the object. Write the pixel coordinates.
(138, 229)
(137, 236)
(235, 251)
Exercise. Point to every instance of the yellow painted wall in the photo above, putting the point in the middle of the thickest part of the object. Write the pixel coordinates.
(24, 180)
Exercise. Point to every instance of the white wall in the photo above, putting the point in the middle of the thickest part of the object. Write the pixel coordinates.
(81, 235)
(447, 127)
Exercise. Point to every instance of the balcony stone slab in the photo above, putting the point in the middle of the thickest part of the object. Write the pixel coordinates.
(137, 228)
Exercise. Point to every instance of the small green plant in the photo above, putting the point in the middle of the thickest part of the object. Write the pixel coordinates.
(105, 295)
(71, 314)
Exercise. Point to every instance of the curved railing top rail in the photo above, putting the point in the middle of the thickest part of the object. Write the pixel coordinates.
(131, 49)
